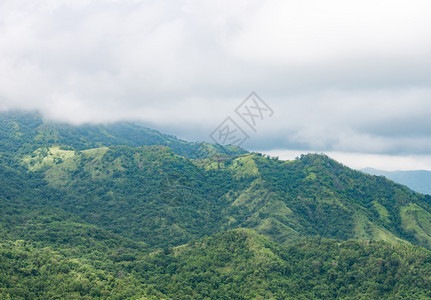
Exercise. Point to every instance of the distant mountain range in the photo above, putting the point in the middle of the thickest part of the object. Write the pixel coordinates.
(419, 181)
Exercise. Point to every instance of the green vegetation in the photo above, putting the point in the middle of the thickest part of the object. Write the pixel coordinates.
(26, 132)
(240, 264)
(120, 211)
(27, 272)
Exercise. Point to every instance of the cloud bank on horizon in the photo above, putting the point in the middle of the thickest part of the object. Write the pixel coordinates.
(352, 77)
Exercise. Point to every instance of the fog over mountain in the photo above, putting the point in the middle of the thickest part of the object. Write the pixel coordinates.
(351, 78)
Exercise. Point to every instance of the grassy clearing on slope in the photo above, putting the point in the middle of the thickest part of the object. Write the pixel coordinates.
(417, 220)
(366, 230)
(244, 167)
(47, 157)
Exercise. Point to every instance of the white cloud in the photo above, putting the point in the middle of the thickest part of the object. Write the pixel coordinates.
(315, 32)
(340, 75)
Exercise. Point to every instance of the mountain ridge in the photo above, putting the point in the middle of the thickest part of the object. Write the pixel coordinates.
(29, 129)
(197, 220)
(168, 198)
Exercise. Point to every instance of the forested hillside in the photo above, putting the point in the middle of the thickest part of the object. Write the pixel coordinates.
(240, 264)
(120, 211)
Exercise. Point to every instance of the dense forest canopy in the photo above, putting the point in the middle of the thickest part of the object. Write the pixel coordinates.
(120, 212)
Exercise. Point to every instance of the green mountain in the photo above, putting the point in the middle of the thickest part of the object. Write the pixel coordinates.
(419, 180)
(155, 195)
(152, 195)
(27, 132)
(121, 201)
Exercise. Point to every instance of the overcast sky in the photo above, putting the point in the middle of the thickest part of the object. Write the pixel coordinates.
(348, 78)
